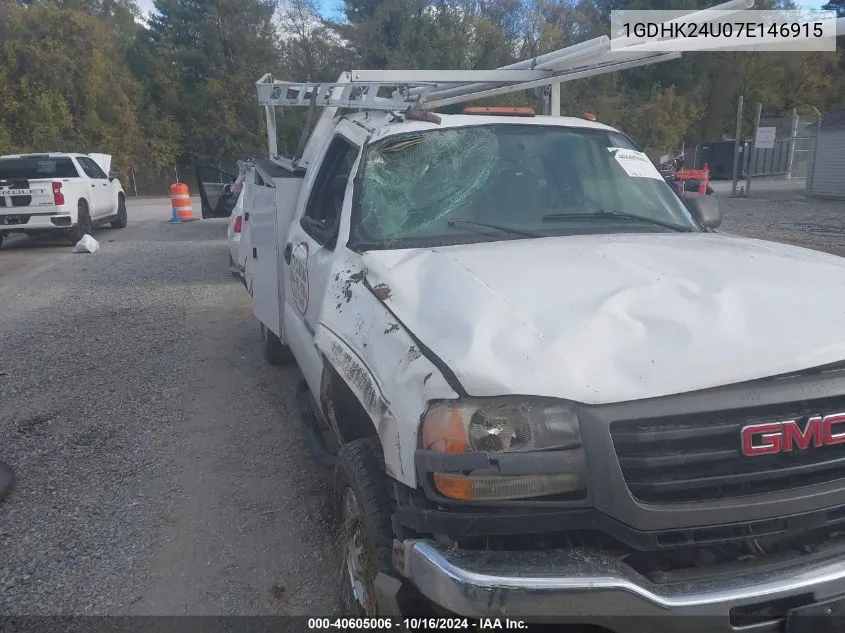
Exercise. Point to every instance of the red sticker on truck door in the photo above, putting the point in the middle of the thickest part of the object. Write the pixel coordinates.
(299, 277)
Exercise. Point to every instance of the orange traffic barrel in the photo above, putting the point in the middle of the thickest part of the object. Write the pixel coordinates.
(705, 182)
(180, 200)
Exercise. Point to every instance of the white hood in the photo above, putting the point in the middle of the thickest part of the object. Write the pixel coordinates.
(103, 160)
(612, 318)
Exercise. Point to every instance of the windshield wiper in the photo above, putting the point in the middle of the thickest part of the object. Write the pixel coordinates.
(498, 227)
(616, 214)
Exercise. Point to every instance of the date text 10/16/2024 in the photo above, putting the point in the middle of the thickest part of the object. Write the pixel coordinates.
(416, 624)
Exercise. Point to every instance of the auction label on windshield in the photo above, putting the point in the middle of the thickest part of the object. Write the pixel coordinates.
(636, 164)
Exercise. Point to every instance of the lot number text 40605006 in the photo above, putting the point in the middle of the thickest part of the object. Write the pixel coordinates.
(416, 624)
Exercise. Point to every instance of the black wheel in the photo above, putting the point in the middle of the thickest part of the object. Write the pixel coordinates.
(121, 219)
(709, 190)
(1, 240)
(83, 223)
(274, 351)
(364, 506)
(232, 267)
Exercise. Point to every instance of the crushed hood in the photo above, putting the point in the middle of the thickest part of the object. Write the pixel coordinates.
(613, 318)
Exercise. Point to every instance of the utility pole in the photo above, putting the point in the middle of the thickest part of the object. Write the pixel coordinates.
(812, 172)
(752, 164)
(792, 136)
(737, 144)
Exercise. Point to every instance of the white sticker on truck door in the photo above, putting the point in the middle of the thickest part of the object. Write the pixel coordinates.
(636, 164)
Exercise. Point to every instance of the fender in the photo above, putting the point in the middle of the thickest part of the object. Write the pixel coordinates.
(381, 364)
(352, 369)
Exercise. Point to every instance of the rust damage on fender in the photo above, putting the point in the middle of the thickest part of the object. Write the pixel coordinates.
(367, 391)
(354, 278)
(357, 376)
(382, 292)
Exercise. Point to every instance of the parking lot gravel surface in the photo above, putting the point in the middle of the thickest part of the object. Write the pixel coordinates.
(787, 217)
(159, 468)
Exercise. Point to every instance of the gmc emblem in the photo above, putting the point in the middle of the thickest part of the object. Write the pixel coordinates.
(784, 437)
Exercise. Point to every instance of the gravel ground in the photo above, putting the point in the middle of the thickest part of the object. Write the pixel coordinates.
(786, 216)
(159, 468)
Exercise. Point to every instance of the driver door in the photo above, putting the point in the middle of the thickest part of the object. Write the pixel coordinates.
(216, 196)
(310, 248)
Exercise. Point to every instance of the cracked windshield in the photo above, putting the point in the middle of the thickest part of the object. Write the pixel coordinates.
(511, 180)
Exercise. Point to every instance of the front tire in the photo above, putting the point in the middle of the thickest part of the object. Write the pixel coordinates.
(121, 219)
(364, 506)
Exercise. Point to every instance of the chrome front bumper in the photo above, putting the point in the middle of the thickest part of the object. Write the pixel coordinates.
(589, 587)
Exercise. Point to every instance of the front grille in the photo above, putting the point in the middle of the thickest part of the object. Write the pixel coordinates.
(698, 457)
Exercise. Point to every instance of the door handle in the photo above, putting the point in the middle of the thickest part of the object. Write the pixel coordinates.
(246, 216)
(93, 184)
(288, 251)
(255, 253)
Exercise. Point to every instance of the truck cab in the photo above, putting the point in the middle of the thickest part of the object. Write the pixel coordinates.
(557, 390)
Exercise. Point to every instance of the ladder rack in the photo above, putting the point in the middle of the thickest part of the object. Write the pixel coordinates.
(428, 89)
(393, 90)
(413, 90)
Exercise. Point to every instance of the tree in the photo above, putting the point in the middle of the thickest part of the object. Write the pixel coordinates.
(64, 84)
(311, 49)
(200, 60)
(81, 74)
(835, 5)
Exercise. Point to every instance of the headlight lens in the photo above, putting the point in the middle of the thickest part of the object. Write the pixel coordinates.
(500, 426)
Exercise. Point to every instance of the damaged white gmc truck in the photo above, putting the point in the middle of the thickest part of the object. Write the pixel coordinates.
(557, 391)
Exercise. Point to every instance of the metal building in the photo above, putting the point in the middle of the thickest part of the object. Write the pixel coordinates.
(827, 177)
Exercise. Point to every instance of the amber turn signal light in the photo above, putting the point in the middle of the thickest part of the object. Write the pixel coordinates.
(501, 488)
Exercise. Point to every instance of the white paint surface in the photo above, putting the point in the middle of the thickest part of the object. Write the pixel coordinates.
(614, 318)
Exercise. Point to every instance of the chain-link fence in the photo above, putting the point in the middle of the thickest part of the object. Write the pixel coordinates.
(790, 157)
(792, 153)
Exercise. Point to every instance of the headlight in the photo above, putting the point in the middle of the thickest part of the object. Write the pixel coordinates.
(503, 425)
(500, 426)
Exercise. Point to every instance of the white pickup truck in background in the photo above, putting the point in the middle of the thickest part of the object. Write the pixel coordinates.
(68, 193)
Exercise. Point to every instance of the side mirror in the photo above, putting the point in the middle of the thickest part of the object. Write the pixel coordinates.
(113, 175)
(704, 209)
